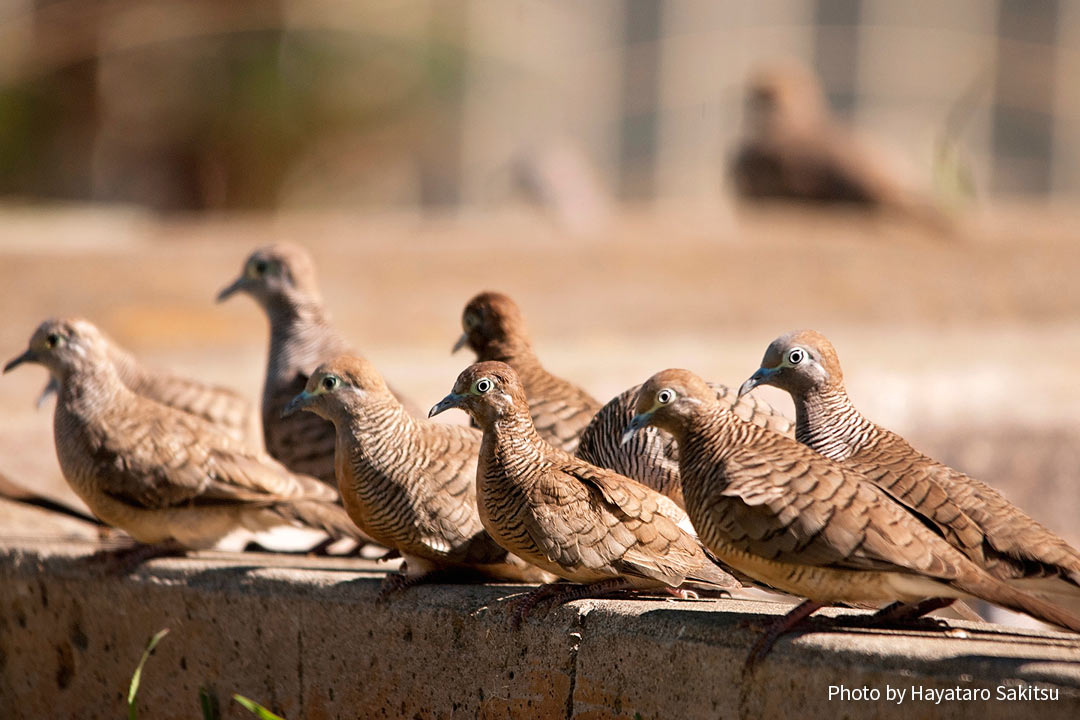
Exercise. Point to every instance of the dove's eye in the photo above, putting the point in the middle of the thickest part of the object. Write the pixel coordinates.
(330, 382)
(796, 356)
(52, 340)
(483, 385)
(665, 396)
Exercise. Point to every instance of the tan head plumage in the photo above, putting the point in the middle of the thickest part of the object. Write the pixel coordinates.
(356, 372)
(341, 386)
(784, 95)
(493, 325)
(669, 400)
(798, 362)
(64, 345)
(487, 391)
(282, 270)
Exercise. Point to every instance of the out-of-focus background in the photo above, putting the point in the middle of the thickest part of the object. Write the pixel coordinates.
(576, 156)
(277, 104)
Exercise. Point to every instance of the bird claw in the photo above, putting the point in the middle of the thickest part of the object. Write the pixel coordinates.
(124, 560)
(910, 615)
(784, 625)
(760, 650)
(393, 584)
(523, 606)
(683, 594)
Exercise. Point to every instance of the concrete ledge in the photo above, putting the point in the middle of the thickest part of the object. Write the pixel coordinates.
(305, 638)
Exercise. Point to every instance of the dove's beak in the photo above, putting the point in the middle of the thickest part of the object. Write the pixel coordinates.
(461, 341)
(237, 285)
(26, 357)
(301, 401)
(641, 420)
(453, 400)
(761, 377)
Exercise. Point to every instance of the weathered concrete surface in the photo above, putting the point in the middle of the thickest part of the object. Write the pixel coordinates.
(305, 637)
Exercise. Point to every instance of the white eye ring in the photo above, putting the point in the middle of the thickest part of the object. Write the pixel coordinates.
(665, 396)
(483, 385)
(796, 356)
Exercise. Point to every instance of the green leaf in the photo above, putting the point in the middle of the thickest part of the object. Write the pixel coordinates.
(209, 705)
(256, 709)
(134, 687)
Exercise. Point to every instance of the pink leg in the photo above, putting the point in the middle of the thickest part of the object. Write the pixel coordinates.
(560, 593)
(125, 560)
(783, 625)
(906, 612)
(397, 582)
(682, 593)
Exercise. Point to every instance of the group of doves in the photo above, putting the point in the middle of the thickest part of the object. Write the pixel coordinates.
(674, 484)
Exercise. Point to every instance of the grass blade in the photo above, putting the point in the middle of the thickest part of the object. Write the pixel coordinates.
(209, 705)
(137, 676)
(256, 709)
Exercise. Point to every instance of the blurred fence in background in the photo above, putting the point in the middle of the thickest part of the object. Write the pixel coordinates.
(258, 104)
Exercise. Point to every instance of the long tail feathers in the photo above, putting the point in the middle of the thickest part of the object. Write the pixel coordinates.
(1007, 596)
(1055, 589)
(715, 574)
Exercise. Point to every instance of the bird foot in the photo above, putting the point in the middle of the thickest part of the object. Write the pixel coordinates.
(683, 593)
(712, 593)
(522, 607)
(397, 582)
(784, 625)
(554, 594)
(124, 560)
(908, 615)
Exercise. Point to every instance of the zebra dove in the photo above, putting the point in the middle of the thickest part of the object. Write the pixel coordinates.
(794, 150)
(226, 409)
(575, 520)
(281, 279)
(160, 474)
(650, 456)
(408, 483)
(974, 517)
(495, 330)
(788, 517)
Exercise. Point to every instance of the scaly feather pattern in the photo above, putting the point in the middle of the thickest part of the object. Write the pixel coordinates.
(408, 483)
(495, 330)
(651, 456)
(281, 278)
(575, 520)
(976, 518)
(781, 513)
(159, 473)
